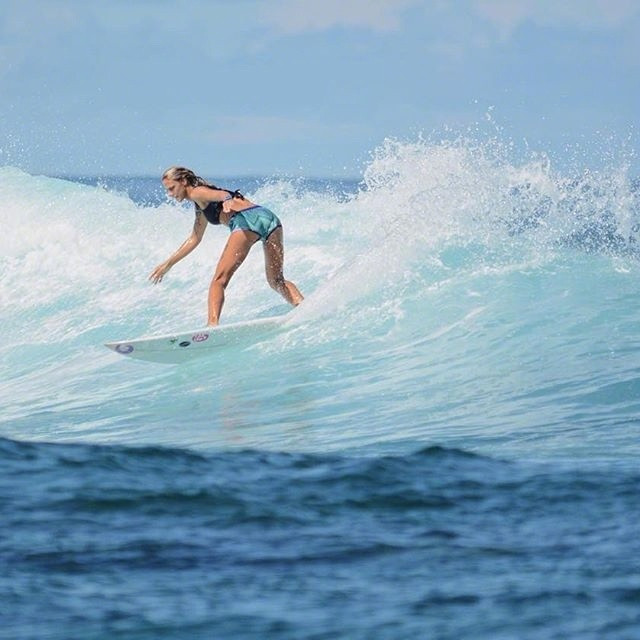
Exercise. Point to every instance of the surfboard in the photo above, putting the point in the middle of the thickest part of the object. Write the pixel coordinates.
(185, 345)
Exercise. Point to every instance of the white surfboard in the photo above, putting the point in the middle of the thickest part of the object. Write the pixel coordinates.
(182, 346)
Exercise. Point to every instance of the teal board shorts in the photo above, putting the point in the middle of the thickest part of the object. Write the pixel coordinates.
(258, 219)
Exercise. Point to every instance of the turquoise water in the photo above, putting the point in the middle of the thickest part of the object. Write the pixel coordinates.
(443, 442)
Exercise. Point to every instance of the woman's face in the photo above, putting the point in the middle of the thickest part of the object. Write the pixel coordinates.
(177, 189)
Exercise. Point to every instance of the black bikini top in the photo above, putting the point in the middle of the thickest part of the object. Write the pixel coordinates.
(213, 210)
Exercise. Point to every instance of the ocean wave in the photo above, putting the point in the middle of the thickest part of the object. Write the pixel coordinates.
(453, 296)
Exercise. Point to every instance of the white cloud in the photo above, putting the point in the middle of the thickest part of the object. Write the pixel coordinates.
(508, 15)
(298, 16)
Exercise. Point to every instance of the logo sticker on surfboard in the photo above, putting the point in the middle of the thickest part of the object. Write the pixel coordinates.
(124, 348)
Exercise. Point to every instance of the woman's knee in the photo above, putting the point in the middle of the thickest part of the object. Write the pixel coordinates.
(221, 278)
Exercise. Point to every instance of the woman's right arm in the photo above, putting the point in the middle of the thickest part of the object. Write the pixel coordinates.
(183, 250)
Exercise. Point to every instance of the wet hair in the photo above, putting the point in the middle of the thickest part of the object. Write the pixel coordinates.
(182, 173)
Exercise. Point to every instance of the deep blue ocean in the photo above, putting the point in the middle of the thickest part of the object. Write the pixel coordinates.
(443, 442)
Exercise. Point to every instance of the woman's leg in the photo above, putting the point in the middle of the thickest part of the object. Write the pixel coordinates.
(273, 262)
(233, 255)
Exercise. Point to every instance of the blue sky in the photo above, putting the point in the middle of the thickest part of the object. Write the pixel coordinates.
(310, 87)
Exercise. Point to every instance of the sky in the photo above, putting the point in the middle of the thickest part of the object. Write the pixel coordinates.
(311, 87)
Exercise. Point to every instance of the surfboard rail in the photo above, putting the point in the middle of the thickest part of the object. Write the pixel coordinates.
(184, 345)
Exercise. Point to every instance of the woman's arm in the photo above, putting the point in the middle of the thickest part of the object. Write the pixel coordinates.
(183, 250)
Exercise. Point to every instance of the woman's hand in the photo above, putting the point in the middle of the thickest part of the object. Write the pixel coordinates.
(159, 272)
(184, 249)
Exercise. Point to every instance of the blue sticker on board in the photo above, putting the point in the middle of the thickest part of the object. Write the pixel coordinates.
(124, 348)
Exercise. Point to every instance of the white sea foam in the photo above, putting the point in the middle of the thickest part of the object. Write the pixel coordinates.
(455, 296)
